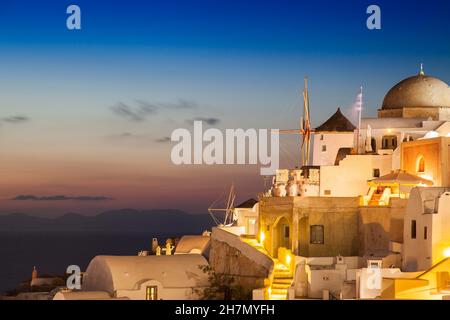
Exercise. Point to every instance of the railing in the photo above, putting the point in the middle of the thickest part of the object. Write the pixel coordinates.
(384, 200)
(366, 198)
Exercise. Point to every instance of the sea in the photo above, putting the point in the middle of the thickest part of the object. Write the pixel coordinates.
(52, 252)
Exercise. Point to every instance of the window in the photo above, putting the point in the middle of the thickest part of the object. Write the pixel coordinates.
(420, 164)
(374, 264)
(151, 293)
(324, 148)
(327, 192)
(425, 233)
(321, 137)
(389, 142)
(316, 234)
(376, 173)
(413, 229)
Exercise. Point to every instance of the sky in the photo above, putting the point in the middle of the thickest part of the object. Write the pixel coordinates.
(85, 114)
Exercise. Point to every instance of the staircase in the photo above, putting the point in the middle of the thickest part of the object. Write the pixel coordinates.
(282, 280)
(374, 201)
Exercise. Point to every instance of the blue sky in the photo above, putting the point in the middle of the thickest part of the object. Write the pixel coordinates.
(242, 62)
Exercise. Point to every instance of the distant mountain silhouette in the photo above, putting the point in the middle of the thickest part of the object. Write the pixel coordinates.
(155, 221)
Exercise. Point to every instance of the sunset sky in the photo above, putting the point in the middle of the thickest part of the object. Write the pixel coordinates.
(238, 63)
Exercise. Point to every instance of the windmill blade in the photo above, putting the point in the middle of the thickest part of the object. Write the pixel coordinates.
(308, 148)
(306, 141)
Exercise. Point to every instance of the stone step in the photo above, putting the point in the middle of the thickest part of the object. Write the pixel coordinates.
(281, 285)
(278, 297)
(282, 275)
(280, 266)
(279, 292)
(284, 284)
(283, 280)
(278, 271)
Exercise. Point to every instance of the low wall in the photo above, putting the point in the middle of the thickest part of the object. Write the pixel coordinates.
(313, 275)
(231, 256)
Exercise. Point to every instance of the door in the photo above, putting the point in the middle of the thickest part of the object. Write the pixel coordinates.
(151, 293)
(285, 239)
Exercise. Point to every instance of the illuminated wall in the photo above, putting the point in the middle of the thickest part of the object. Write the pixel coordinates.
(434, 152)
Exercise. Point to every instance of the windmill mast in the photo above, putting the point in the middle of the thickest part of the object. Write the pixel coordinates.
(306, 127)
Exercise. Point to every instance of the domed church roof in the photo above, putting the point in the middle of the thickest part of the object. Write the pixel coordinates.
(419, 91)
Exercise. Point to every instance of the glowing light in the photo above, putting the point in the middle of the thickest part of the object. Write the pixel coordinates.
(426, 176)
(269, 291)
(389, 130)
(430, 135)
(262, 236)
(447, 252)
(288, 259)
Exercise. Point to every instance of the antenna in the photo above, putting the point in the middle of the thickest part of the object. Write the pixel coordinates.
(359, 119)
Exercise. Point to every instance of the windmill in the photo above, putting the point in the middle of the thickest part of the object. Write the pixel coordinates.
(305, 128)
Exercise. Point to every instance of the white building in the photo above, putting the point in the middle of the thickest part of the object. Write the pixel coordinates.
(426, 228)
(246, 215)
(416, 107)
(333, 135)
(409, 138)
(175, 277)
(349, 178)
(156, 277)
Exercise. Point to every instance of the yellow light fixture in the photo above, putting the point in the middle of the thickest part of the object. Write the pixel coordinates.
(389, 130)
(288, 259)
(447, 252)
(262, 236)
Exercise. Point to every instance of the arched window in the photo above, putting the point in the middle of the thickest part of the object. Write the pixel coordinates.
(420, 164)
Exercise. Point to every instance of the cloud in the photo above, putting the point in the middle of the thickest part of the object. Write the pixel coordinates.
(163, 140)
(60, 198)
(123, 135)
(138, 139)
(180, 104)
(130, 137)
(15, 119)
(210, 121)
(139, 113)
(146, 106)
(143, 108)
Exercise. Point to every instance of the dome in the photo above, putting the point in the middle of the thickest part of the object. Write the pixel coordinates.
(419, 91)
